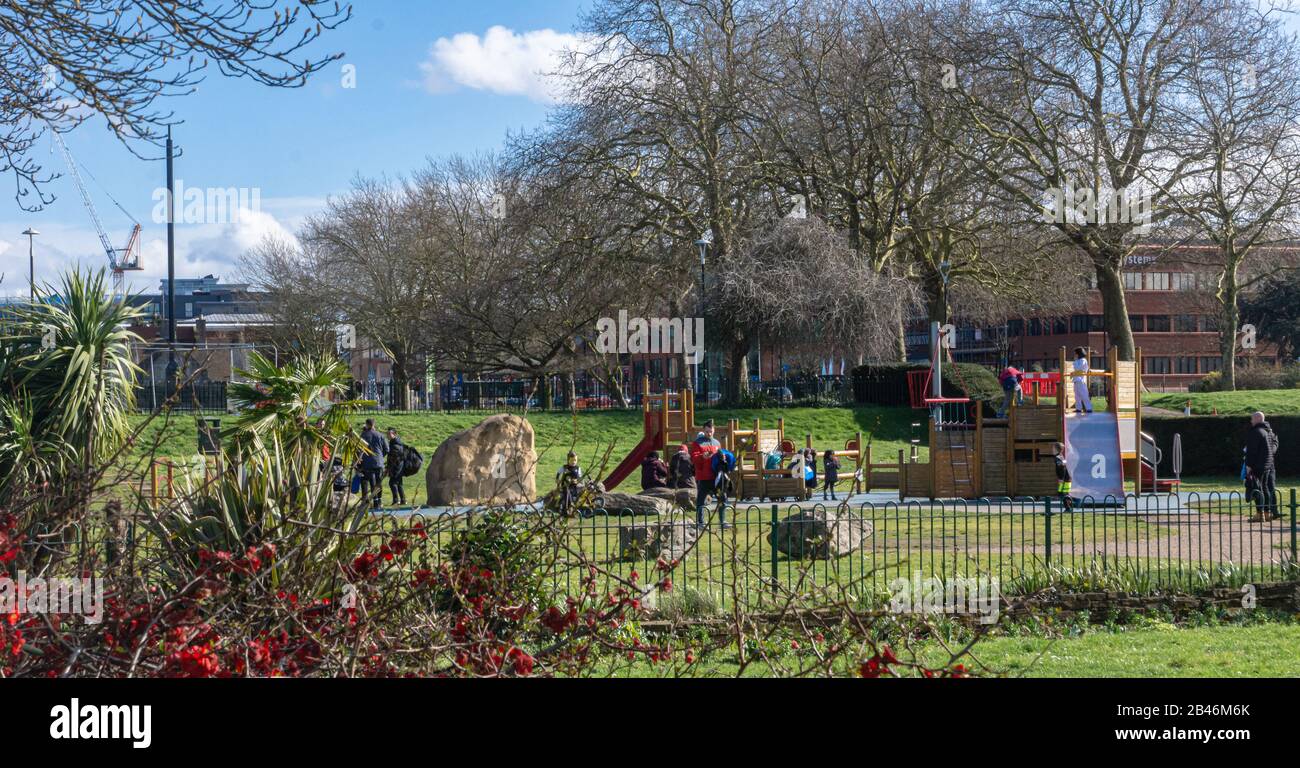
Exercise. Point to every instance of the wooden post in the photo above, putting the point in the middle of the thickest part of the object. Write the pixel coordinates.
(1112, 394)
(902, 476)
(864, 461)
(977, 461)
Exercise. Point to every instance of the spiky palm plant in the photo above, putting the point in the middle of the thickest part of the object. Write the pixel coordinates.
(270, 486)
(67, 382)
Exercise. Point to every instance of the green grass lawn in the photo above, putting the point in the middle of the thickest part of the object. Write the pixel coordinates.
(1270, 401)
(1155, 650)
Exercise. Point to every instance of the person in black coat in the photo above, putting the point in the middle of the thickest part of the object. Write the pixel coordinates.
(654, 473)
(1261, 472)
(372, 464)
(393, 468)
(681, 472)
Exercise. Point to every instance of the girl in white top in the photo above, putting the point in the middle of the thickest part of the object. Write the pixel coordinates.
(1082, 401)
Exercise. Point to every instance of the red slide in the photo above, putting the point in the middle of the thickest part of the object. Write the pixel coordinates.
(638, 454)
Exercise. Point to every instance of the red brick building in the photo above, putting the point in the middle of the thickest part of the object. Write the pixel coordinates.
(1172, 311)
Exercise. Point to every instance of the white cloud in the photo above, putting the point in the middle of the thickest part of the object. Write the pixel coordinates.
(500, 61)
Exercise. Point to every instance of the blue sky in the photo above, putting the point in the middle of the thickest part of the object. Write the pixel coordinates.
(431, 79)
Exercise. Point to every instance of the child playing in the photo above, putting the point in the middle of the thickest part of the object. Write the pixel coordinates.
(831, 470)
(1062, 477)
(568, 479)
(1082, 400)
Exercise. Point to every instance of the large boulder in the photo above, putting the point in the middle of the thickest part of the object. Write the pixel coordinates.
(655, 539)
(682, 497)
(615, 503)
(820, 533)
(493, 462)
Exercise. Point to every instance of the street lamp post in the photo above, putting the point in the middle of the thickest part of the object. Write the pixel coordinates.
(31, 258)
(703, 244)
(171, 267)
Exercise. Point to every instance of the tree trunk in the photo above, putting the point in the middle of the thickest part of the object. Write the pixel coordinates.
(401, 385)
(570, 389)
(900, 341)
(738, 382)
(1229, 320)
(1114, 310)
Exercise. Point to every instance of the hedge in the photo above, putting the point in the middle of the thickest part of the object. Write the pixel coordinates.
(1212, 445)
(886, 383)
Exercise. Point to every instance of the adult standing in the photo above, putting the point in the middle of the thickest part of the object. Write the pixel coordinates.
(394, 466)
(702, 451)
(1261, 469)
(372, 464)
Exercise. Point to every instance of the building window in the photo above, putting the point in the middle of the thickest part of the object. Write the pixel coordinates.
(1157, 281)
(1157, 364)
(1135, 322)
(1059, 326)
(189, 309)
(1015, 327)
(1132, 281)
(1210, 364)
(1210, 324)
(1079, 324)
(1184, 281)
(1157, 323)
(1035, 327)
(1185, 364)
(1186, 323)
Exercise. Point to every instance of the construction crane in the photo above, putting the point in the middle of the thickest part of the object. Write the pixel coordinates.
(120, 260)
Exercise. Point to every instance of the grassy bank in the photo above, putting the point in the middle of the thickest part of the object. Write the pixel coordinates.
(1150, 649)
(1270, 401)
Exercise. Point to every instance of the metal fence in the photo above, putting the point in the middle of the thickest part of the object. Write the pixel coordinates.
(488, 396)
(770, 555)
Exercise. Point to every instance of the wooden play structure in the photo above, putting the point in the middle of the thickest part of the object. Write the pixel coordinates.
(974, 456)
(669, 421)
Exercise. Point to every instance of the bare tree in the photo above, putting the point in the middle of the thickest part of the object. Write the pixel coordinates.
(65, 61)
(376, 268)
(662, 112)
(801, 283)
(1077, 95)
(306, 318)
(1237, 119)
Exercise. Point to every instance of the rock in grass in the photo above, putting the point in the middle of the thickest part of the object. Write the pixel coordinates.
(493, 462)
(820, 533)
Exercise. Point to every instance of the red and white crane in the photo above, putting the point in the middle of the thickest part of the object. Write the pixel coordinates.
(120, 260)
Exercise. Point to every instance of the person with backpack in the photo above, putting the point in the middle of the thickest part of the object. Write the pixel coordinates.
(702, 451)
(1012, 390)
(681, 472)
(724, 463)
(371, 466)
(1261, 468)
(831, 471)
(810, 470)
(654, 472)
(394, 467)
